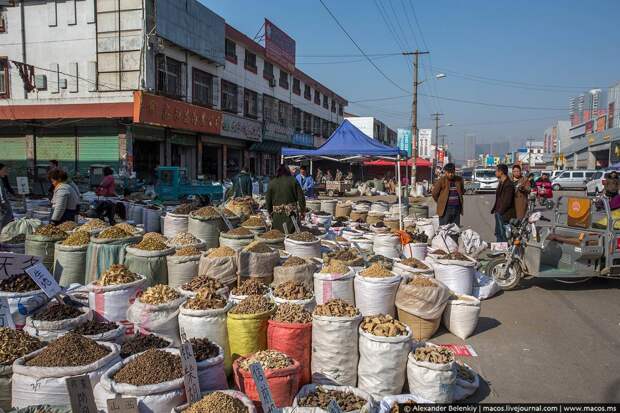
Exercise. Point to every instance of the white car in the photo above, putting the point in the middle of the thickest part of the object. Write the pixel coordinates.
(596, 184)
(485, 178)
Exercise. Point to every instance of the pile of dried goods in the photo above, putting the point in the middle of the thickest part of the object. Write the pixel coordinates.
(383, 325)
(67, 226)
(254, 221)
(312, 230)
(77, 239)
(257, 247)
(114, 233)
(217, 402)
(182, 239)
(57, 312)
(273, 234)
(155, 235)
(348, 256)
(293, 261)
(456, 256)
(221, 252)
(185, 209)
(292, 313)
(268, 359)
(253, 304)
(203, 282)
(127, 227)
(414, 263)
(141, 343)
(204, 349)
(117, 274)
(239, 232)
(50, 230)
(303, 236)
(159, 294)
(69, 350)
(321, 213)
(335, 267)
(207, 212)
(205, 300)
(150, 244)
(228, 213)
(151, 367)
(421, 281)
(463, 372)
(347, 402)
(434, 354)
(396, 409)
(439, 252)
(292, 290)
(376, 270)
(93, 225)
(188, 251)
(15, 344)
(92, 327)
(20, 283)
(336, 308)
(251, 287)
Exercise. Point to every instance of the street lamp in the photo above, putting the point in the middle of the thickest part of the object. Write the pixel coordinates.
(440, 75)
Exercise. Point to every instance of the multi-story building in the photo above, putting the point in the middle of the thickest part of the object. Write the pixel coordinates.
(483, 149)
(586, 107)
(141, 83)
(556, 137)
(469, 151)
(613, 106)
(373, 128)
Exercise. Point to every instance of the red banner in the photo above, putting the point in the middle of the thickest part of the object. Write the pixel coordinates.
(279, 47)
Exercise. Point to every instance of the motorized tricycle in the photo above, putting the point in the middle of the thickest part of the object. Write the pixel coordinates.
(583, 241)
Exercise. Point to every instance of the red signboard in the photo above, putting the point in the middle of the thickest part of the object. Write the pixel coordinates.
(601, 123)
(170, 113)
(610, 116)
(589, 126)
(279, 46)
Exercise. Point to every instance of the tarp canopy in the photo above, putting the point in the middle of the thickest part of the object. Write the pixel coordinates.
(346, 141)
(409, 162)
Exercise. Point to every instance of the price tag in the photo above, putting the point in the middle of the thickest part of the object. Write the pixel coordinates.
(333, 407)
(22, 185)
(15, 264)
(81, 394)
(6, 319)
(226, 220)
(295, 224)
(264, 392)
(190, 372)
(44, 279)
(123, 405)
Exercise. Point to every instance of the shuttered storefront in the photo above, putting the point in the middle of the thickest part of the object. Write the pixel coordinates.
(13, 154)
(98, 150)
(59, 147)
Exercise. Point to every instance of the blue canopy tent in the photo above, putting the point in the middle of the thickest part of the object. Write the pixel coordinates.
(348, 144)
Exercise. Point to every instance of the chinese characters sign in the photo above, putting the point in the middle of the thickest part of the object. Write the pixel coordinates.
(279, 46)
(240, 128)
(190, 372)
(15, 264)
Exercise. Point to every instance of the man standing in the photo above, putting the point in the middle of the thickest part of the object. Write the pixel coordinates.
(504, 207)
(522, 191)
(242, 184)
(306, 182)
(448, 194)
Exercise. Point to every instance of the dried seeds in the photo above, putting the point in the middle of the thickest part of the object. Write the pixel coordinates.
(305, 236)
(159, 294)
(251, 287)
(57, 312)
(92, 327)
(347, 401)
(221, 252)
(114, 232)
(185, 209)
(217, 402)
(203, 282)
(67, 226)
(421, 281)
(293, 261)
(414, 263)
(204, 349)
(182, 239)
(69, 350)
(187, 252)
(335, 267)
(130, 229)
(15, 344)
(141, 343)
(239, 232)
(19, 283)
(268, 359)
(151, 367)
(376, 270)
(205, 300)
(151, 244)
(50, 230)
(93, 224)
(273, 234)
(257, 247)
(77, 239)
(254, 221)
(434, 354)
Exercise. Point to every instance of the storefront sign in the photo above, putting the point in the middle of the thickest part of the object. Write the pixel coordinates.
(276, 132)
(303, 139)
(279, 46)
(166, 112)
(241, 128)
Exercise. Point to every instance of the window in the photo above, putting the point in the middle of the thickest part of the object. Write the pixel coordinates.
(268, 71)
(589, 174)
(297, 115)
(283, 79)
(565, 175)
(316, 125)
(229, 97)
(4, 78)
(170, 76)
(333, 106)
(325, 102)
(577, 174)
(202, 88)
(317, 97)
(250, 103)
(307, 92)
(307, 122)
(284, 113)
(340, 110)
(250, 61)
(296, 86)
(230, 51)
(325, 128)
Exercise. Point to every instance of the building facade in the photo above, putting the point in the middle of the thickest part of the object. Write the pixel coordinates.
(137, 84)
(373, 128)
(556, 137)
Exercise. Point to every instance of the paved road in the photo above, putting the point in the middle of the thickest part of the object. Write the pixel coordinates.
(548, 341)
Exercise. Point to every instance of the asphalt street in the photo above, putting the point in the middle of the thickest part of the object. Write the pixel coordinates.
(547, 341)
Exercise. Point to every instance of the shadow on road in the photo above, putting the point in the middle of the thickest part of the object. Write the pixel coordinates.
(485, 324)
(483, 391)
(595, 283)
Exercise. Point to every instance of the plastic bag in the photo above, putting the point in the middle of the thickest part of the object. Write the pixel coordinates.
(70, 264)
(465, 388)
(434, 382)
(456, 275)
(461, 316)
(303, 273)
(303, 249)
(295, 340)
(283, 383)
(376, 295)
(181, 269)
(247, 333)
(161, 319)
(252, 264)
(473, 245)
(328, 286)
(223, 269)
(484, 286)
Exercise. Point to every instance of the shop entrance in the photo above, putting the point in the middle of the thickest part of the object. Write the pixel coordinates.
(146, 159)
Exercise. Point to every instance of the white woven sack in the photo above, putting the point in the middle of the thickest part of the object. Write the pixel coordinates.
(6, 374)
(161, 319)
(484, 286)
(434, 382)
(303, 273)
(223, 269)
(211, 374)
(444, 242)
(405, 270)
(311, 388)
(151, 219)
(335, 350)
(235, 242)
(426, 226)
(207, 230)
(415, 250)
(456, 275)
(383, 375)
(387, 245)
(465, 388)
(236, 299)
(461, 316)
(161, 397)
(111, 302)
(234, 393)
(376, 295)
(174, 224)
(21, 305)
(51, 330)
(303, 249)
(257, 264)
(181, 269)
(47, 385)
(309, 304)
(328, 286)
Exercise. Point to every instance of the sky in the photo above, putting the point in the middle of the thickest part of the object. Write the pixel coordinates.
(531, 54)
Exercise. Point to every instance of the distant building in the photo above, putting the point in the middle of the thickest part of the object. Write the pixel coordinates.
(587, 106)
(374, 128)
(613, 106)
(532, 154)
(500, 148)
(469, 151)
(556, 137)
(482, 148)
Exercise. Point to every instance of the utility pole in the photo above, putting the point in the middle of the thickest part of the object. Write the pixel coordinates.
(435, 117)
(414, 114)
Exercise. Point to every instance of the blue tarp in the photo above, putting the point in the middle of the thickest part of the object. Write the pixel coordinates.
(346, 140)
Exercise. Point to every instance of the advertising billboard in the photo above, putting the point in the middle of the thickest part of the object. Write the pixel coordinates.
(424, 143)
(279, 46)
(404, 140)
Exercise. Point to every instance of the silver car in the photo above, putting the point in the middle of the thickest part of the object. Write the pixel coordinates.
(572, 180)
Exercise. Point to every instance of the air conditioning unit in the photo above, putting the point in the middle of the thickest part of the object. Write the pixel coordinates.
(272, 82)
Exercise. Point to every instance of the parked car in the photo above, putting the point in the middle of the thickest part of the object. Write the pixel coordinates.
(596, 184)
(485, 178)
(572, 180)
(555, 173)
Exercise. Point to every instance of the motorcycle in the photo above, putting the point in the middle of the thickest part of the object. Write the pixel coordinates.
(543, 202)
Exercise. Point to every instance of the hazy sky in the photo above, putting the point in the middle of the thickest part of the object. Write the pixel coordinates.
(532, 54)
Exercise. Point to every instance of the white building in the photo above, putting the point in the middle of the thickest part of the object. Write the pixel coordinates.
(532, 154)
(373, 128)
(141, 83)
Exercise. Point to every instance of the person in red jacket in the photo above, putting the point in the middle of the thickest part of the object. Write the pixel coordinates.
(107, 187)
(543, 187)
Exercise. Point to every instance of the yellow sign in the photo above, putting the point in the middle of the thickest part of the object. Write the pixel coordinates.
(591, 139)
(578, 210)
(606, 138)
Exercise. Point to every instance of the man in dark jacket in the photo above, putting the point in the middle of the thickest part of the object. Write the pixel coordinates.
(242, 184)
(448, 194)
(504, 207)
(285, 200)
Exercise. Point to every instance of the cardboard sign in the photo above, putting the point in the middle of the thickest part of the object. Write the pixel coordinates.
(461, 350)
(81, 394)
(264, 392)
(44, 279)
(122, 405)
(6, 319)
(333, 407)
(190, 372)
(22, 185)
(15, 264)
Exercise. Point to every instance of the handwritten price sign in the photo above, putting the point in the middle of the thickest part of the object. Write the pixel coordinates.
(44, 279)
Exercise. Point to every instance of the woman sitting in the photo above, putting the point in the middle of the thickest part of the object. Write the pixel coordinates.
(65, 199)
